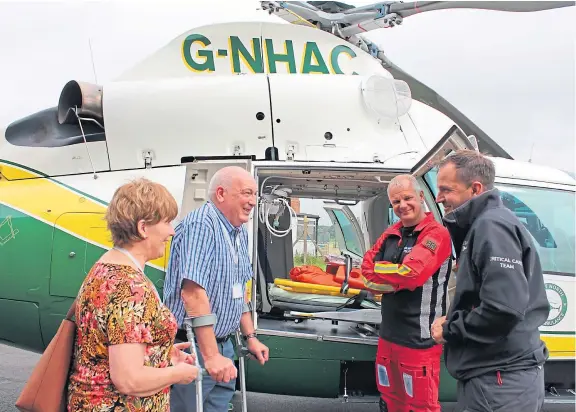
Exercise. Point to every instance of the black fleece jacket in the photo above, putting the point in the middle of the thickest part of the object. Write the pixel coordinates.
(500, 300)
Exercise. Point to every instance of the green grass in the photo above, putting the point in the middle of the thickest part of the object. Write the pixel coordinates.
(310, 260)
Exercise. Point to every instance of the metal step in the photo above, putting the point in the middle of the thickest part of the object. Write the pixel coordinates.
(353, 398)
(560, 396)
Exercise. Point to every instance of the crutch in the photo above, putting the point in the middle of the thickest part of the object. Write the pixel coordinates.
(241, 352)
(201, 371)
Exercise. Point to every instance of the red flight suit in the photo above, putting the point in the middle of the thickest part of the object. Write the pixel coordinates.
(416, 263)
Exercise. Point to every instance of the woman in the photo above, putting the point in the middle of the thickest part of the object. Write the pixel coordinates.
(124, 357)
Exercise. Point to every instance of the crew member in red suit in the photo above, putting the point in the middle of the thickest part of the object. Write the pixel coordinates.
(412, 257)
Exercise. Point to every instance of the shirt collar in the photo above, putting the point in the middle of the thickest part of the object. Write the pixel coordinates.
(229, 227)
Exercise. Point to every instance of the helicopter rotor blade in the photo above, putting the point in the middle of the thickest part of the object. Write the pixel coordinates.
(351, 23)
(428, 96)
(347, 21)
(412, 8)
(305, 12)
(395, 13)
(299, 11)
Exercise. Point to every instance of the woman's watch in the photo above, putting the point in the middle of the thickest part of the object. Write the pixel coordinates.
(250, 335)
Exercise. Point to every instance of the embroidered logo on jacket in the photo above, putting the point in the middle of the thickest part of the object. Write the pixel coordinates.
(430, 244)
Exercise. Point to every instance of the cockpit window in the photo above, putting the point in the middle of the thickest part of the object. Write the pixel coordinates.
(548, 215)
(529, 219)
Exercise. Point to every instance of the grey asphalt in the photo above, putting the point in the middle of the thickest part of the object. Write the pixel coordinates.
(16, 365)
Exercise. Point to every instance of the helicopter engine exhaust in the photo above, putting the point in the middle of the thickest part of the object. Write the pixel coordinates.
(85, 97)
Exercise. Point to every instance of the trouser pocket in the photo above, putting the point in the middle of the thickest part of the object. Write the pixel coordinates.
(383, 374)
(419, 384)
(521, 390)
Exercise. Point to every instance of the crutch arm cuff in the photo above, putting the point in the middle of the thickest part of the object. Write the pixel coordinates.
(247, 307)
(199, 321)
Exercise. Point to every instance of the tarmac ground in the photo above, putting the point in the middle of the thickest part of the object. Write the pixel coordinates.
(16, 365)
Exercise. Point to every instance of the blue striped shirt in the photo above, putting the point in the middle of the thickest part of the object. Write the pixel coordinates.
(201, 252)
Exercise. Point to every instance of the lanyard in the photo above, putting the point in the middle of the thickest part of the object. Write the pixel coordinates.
(124, 251)
(119, 249)
(229, 241)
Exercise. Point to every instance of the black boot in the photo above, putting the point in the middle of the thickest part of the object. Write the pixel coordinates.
(383, 407)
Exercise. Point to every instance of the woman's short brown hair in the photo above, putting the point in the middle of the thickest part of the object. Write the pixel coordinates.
(138, 200)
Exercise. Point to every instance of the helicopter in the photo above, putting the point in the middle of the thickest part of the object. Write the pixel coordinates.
(232, 94)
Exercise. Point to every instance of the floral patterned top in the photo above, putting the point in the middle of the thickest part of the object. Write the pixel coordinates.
(117, 304)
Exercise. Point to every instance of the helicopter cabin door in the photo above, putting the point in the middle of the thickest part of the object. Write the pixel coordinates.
(348, 231)
(453, 140)
(72, 253)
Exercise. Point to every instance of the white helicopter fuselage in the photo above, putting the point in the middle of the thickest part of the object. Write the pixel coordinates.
(274, 98)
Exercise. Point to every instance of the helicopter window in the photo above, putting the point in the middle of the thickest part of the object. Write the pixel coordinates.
(547, 214)
(350, 238)
(392, 218)
(431, 178)
(318, 231)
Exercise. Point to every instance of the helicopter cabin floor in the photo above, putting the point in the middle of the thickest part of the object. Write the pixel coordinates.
(317, 329)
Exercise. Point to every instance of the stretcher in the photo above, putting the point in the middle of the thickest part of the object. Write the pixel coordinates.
(308, 302)
(310, 288)
(241, 352)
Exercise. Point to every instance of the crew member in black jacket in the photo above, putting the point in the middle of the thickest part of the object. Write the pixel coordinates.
(491, 340)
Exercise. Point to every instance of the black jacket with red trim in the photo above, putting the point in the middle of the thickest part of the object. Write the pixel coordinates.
(411, 268)
(500, 301)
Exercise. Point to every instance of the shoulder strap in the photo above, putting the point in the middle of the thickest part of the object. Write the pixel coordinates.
(71, 311)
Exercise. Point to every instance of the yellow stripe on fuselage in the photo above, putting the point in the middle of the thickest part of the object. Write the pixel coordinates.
(560, 346)
(47, 200)
(43, 198)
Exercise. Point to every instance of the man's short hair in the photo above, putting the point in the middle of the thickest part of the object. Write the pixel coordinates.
(471, 166)
(401, 180)
(224, 178)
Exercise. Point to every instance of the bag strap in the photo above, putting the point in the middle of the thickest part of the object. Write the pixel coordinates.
(71, 311)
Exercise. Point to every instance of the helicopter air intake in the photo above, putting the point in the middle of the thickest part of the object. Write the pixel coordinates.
(85, 98)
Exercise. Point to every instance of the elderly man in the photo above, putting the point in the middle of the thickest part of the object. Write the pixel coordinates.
(207, 275)
(411, 258)
(491, 339)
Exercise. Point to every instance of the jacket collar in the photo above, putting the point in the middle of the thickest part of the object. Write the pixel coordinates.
(464, 215)
(395, 228)
(459, 221)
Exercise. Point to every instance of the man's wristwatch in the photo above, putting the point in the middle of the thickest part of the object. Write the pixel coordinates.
(250, 335)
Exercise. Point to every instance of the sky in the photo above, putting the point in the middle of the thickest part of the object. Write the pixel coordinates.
(513, 74)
